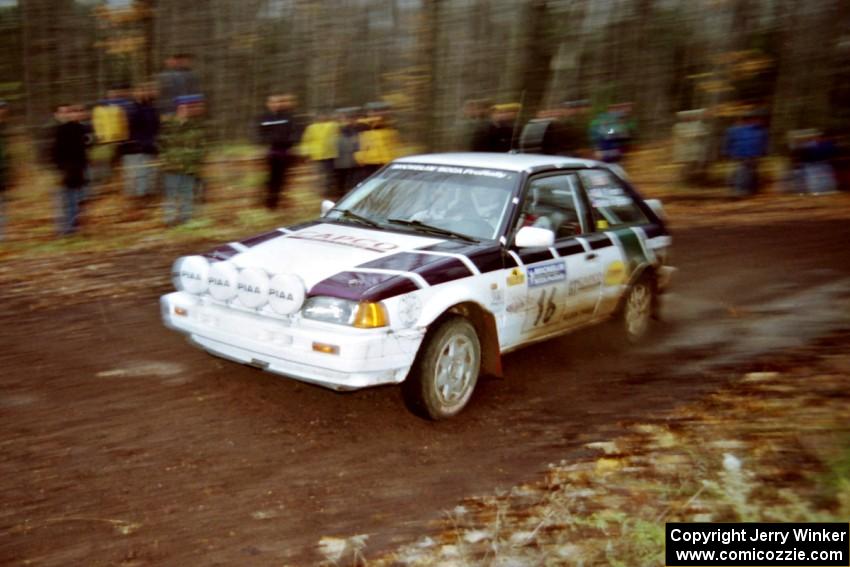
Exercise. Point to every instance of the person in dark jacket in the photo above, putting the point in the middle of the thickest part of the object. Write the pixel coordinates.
(498, 136)
(70, 156)
(346, 168)
(552, 133)
(278, 131)
(474, 124)
(141, 147)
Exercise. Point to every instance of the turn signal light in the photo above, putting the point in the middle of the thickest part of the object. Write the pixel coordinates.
(327, 349)
(370, 315)
(181, 312)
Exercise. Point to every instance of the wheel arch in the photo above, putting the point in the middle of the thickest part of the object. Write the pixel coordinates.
(484, 323)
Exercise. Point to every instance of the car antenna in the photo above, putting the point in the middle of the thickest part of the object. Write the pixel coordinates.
(516, 122)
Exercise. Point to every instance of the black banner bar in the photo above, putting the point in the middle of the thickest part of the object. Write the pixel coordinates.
(757, 544)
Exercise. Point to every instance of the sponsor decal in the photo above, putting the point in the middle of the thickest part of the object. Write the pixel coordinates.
(615, 273)
(609, 197)
(281, 294)
(517, 305)
(286, 293)
(584, 283)
(409, 309)
(547, 274)
(497, 297)
(452, 169)
(546, 307)
(223, 278)
(516, 277)
(188, 275)
(346, 240)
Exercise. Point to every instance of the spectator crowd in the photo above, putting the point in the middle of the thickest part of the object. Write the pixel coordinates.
(154, 135)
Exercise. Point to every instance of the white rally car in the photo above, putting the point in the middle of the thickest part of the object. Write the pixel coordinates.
(428, 272)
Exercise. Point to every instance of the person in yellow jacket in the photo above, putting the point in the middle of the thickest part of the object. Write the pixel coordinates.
(109, 118)
(379, 141)
(111, 131)
(319, 144)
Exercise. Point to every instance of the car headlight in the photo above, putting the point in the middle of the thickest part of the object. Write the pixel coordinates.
(363, 315)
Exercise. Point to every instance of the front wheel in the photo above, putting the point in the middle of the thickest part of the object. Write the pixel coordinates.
(446, 370)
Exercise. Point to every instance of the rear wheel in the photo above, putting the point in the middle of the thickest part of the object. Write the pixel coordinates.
(638, 310)
(446, 370)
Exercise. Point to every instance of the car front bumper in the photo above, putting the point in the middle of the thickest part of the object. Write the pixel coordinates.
(363, 357)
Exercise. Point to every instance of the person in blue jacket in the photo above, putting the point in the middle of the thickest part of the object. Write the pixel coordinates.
(746, 142)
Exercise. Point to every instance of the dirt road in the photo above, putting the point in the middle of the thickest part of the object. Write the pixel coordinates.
(123, 445)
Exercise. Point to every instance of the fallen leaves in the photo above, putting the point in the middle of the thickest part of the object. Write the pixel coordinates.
(752, 451)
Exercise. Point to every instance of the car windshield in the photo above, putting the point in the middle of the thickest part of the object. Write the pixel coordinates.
(470, 202)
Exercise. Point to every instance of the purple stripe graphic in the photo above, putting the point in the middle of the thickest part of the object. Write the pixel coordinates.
(260, 238)
(444, 270)
(358, 286)
(403, 262)
(434, 269)
(486, 257)
(223, 252)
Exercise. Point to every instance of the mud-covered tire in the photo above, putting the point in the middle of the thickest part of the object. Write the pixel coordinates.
(446, 370)
(638, 310)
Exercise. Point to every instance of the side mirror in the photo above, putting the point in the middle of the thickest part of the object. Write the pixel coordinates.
(327, 205)
(533, 237)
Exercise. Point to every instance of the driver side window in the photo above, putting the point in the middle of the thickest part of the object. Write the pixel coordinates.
(552, 202)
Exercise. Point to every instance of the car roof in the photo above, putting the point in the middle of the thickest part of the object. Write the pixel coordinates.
(503, 161)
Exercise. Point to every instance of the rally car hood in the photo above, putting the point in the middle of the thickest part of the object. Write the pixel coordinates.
(319, 251)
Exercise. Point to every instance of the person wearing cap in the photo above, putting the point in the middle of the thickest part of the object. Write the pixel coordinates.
(279, 131)
(182, 152)
(4, 168)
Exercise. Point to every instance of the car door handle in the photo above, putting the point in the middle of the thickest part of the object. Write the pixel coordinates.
(590, 256)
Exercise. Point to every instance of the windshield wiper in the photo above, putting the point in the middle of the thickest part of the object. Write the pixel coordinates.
(348, 214)
(432, 229)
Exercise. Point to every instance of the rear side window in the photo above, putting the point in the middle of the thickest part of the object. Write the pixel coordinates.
(611, 203)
